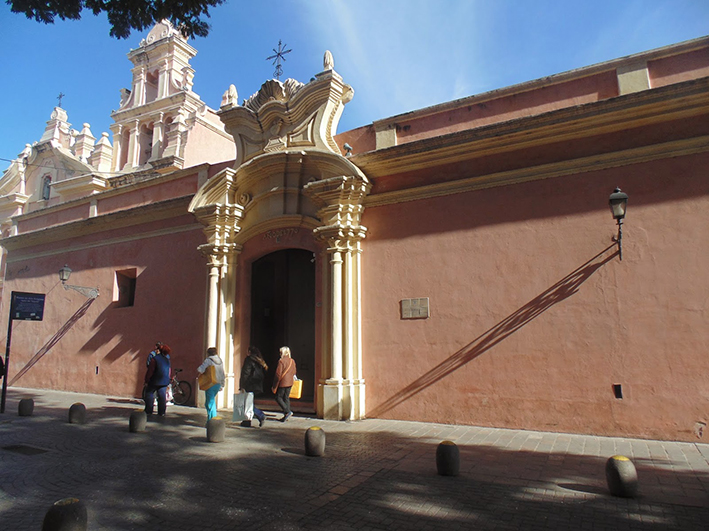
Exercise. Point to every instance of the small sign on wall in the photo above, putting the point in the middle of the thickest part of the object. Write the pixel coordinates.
(415, 308)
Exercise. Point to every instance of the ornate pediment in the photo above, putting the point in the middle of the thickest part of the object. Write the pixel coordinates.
(287, 115)
(273, 91)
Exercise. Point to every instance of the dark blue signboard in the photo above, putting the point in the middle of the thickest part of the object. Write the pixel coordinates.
(27, 306)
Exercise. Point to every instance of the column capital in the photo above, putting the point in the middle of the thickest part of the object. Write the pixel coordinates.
(219, 254)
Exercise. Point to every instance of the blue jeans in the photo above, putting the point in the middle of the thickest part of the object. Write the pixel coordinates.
(210, 401)
(260, 415)
(150, 399)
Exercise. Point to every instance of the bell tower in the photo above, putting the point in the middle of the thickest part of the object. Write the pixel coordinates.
(155, 116)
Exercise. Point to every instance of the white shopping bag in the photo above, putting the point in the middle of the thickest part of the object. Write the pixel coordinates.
(243, 407)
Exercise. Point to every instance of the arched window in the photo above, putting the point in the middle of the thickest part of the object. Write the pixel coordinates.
(46, 183)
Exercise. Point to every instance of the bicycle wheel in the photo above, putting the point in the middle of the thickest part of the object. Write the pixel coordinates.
(181, 393)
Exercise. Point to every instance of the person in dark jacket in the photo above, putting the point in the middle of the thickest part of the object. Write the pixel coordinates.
(253, 372)
(157, 378)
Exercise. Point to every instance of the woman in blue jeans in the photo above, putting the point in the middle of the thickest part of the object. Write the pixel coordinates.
(210, 402)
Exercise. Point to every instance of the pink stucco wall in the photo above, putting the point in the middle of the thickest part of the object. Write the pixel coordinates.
(148, 195)
(73, 212)
(104, 350)
(676, 69)
(499, 109)
(533, 317)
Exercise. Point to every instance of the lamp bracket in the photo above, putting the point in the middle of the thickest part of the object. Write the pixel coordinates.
(90, 293)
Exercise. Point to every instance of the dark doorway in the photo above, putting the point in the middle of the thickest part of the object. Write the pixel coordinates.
(283, 312)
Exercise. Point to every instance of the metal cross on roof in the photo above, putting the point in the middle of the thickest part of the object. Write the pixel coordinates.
(278, 57)
(59, 98)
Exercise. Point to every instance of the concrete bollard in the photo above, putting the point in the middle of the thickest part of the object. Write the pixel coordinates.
(68, 514)
(77, 413)
(621, 476)
(138, 420)
(216, 430)
(314, 441)
(25, 407)
(448, 459)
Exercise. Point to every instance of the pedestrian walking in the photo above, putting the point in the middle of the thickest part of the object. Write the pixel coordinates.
(283, 381)
(157, 378)
(210, 394)
(253, 373)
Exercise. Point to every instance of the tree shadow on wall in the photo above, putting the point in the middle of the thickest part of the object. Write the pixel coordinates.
(562, 290)
(53, 340)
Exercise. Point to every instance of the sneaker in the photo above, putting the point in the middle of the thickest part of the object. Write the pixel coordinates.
(287, 416)
(261, 421)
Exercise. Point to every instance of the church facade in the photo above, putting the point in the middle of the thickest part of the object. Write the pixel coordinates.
(454, 264)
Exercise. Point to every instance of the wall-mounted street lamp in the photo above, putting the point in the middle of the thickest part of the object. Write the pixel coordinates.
(618, 201)
(65, 273)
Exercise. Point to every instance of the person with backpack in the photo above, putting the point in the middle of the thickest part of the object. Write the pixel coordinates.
(157, 378)
(210, 394)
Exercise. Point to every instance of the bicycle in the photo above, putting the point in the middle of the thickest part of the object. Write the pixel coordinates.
(181, 390)
(178, 391)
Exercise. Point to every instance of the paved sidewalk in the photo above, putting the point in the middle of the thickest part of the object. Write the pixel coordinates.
(375, 474)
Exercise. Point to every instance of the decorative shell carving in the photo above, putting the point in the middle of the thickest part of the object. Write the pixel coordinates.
(273, 90)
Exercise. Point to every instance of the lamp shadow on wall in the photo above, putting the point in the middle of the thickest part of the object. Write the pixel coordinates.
(53, 340)
(562, 290)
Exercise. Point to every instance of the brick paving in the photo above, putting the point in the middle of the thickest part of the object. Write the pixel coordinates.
(375, 474)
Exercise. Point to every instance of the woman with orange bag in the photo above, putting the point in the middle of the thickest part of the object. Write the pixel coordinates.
(283, 381)
(210, 394)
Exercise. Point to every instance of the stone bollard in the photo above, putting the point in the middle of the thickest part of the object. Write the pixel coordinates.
(138, 420)
(68, 514)
(216, 430)
(621, 476)
(314, 441)
(448, 459)
(77, 413)
(26, 407)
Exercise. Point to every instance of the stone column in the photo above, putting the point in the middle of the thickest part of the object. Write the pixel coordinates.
(118, 147)
(138, 86)
(157, 138)
(134, 146)
(163, 80)
(213, 275)
(332, 390)
(342, 385)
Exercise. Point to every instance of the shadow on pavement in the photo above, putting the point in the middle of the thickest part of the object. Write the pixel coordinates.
(169, 477)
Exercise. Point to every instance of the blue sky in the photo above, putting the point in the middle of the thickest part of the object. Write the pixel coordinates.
(398, 55)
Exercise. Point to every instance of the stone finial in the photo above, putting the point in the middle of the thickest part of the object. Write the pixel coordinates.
(25, 152)
(84, 143)
(328, 61)
(102, 154)
(230, 96)
(58, 129)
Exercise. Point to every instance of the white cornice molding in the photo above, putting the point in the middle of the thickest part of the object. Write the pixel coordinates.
(545, 171)
(645, 108)
(158, 179)
(116, 220)
(103, 243)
